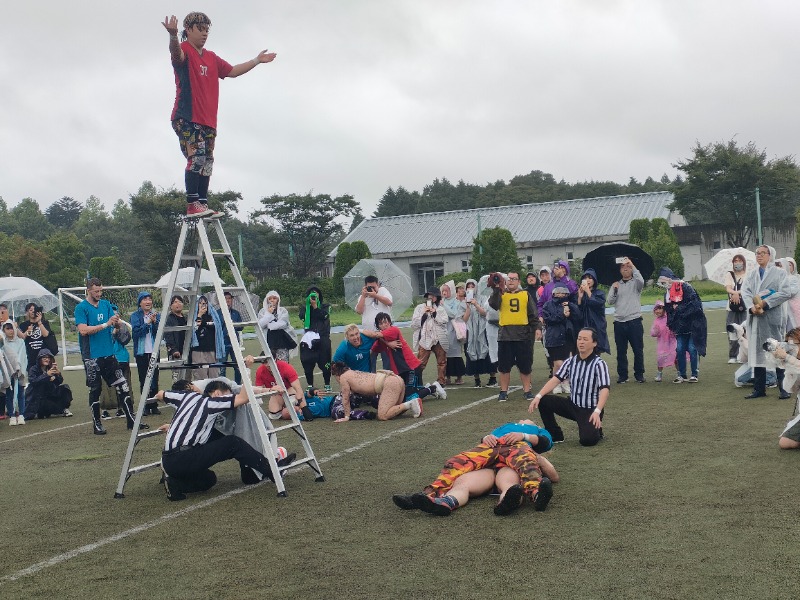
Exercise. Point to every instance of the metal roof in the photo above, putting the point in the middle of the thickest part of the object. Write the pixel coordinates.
(544, 221)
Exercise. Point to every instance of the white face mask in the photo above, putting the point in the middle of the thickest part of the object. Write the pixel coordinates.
(737, 266)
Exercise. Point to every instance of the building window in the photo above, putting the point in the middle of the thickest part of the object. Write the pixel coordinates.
(717, 245)
(529, 262)
(466, 266)
(427, 274)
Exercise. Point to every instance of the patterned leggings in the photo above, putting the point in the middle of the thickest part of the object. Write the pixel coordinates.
(518, 456)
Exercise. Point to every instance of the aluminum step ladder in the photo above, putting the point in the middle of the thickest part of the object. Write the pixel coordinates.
(196, 230)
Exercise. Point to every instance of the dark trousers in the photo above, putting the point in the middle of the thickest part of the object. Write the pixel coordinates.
(142, 364)
(551, 405)
(413, 380)
(237, 376)
(190, 469)
(629, 332)
(760, 379)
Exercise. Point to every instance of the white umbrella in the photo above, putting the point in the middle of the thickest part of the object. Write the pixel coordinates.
(721, 263)
(237, 302)
(16, 292)
(389, 276)
(185, 278)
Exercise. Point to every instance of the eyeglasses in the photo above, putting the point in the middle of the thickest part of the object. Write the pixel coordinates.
(514, 278)
(762, 252)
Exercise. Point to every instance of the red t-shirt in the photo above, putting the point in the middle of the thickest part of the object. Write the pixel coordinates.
(197, 86)
(402, 360)
(264, 377)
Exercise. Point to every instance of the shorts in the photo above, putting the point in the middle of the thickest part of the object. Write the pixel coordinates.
(197, 145)
(559, 352)
(792, 430)
(519, 353)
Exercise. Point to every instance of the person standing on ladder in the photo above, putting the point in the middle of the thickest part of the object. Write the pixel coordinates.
(194, 115)
(95, 317)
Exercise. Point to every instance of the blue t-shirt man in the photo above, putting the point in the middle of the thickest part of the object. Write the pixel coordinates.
(545, 439)
(98, 344)
(356, 357)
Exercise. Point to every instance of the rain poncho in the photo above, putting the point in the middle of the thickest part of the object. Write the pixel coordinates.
(455, 310)
(594, 312)
(272, 323)
(774, 290)
(791, 308)
(477, 342)
(685, 311)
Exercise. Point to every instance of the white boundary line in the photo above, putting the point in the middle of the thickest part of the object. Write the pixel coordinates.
(55, 560)
(30, 435)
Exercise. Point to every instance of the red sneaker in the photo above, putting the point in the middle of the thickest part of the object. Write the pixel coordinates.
(197, 209)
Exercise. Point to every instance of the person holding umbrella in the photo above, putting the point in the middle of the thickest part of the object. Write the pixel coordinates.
(625, 296)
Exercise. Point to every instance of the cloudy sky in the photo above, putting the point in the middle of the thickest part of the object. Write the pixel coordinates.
(368, 94)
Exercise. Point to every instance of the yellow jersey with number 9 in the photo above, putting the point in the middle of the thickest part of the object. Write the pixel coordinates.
(514, 308)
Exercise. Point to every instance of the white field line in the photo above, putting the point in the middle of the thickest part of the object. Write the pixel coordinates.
(60, 558)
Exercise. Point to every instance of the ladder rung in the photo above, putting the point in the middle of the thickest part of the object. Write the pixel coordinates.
(296, 463)
(178, 328)
(281, 428)
(149, 433)
(244, 323)
(140, 468)
(225, 254)
(194, 257)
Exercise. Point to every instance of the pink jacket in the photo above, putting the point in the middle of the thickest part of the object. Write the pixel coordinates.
(666, 342)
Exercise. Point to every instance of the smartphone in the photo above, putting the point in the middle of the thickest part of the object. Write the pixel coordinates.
(470, 295)
(429, 304)
(620, 260)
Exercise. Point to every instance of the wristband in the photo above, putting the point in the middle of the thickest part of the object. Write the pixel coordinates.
(538, 396)
(598, 411)
(106, 325)
(255, 62)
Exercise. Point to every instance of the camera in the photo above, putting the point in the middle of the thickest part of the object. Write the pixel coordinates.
(772, 344)
(370, 288)
(495, 280)
(620, 260)
(314, 296)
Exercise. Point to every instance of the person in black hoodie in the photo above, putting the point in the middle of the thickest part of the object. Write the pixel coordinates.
(46, 394)
(315, 350)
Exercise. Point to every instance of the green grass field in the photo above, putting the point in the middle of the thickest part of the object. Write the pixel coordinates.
(687, 497)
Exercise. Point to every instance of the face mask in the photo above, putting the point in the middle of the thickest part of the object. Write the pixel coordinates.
(738, 266)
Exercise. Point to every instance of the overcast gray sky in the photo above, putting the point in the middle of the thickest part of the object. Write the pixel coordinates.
(368, 94)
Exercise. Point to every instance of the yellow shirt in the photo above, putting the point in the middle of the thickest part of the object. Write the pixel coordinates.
(514, 308)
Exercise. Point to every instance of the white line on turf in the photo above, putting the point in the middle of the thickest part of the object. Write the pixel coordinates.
(30, 435)
(55, 560)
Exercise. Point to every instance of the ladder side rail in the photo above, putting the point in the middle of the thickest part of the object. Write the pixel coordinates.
(266, 439)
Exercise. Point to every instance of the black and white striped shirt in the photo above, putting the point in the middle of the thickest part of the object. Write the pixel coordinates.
(586, 378)
(194, 417)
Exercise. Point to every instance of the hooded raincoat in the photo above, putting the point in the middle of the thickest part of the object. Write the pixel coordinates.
(277, 328)
(594, 312)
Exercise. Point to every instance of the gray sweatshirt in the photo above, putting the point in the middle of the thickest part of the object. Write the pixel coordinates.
(627, 298)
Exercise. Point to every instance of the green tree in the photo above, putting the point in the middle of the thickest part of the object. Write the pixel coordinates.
(659, 241)
(28, 220)
(109, 269)
(158, 215)
(347, 255)
(63, 213)
(308, 226)
(720, 183)
(67, 261)
(494, 250)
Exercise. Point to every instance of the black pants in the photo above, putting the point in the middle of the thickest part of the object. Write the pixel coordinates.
(320, 357)
(551, 405)
(760, 379)
(414, 385)
(629, 332)
(142, 364)
(190, 469)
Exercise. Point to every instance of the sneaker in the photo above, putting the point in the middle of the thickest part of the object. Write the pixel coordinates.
(308, 416)
(142, 426)
(510, 502)
(173, 494)
(328, 389)
(416, 407)
(287, 460)
(97, 428)
(478, 383)
(528, 395)
(12, 421)
(502, 397)
(558, 389)
(492, 382)
(432, 506)
(120, 413)
(66, 413)
(197, 209)
(784, 395)
(403, 502)
(20, 420)
(542, 499)
(640, 380)
(693, 379)
(105, 416)
(440, 391)
(678, 379)
(211, 211)
(3, 417)
(153, 409)
(621, 380)
(657, 378)
(731, 361)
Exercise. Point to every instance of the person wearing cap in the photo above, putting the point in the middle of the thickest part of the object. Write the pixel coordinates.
(144, 323)
(625, 296)
(194, 115)
(94, 318)
(429, 323)
(686, 319)
(560, 278)
(518, 325)
(37, 333)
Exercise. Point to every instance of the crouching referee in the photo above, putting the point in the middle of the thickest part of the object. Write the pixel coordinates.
(193, 445)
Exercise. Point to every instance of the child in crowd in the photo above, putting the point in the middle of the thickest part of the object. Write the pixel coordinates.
(17, 358)
(666, 342)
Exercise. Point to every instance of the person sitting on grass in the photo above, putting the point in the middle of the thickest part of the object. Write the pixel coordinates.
(46, 394)
(402, 359)
(790, 364)
(513, 451)
(277, 406)
(588, 397)
(389, 388)
(193, 445)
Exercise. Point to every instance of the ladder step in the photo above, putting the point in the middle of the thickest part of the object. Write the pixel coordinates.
(178, 328)
(224, 254)
(244, 323)
(140, 468)
(149, 433)
(297, 463)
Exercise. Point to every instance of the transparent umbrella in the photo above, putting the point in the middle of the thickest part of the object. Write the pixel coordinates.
(237, 302)
(16, 292)
(389, 276)
(185, 278)
(722, 262)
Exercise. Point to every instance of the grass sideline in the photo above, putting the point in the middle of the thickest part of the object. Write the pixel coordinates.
(687, 497)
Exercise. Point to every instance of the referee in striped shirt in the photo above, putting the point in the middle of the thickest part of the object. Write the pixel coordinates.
(193, 445)
(588, 374)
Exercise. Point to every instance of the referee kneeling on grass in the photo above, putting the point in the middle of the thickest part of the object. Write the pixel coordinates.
(193, 445)
(588, 374)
